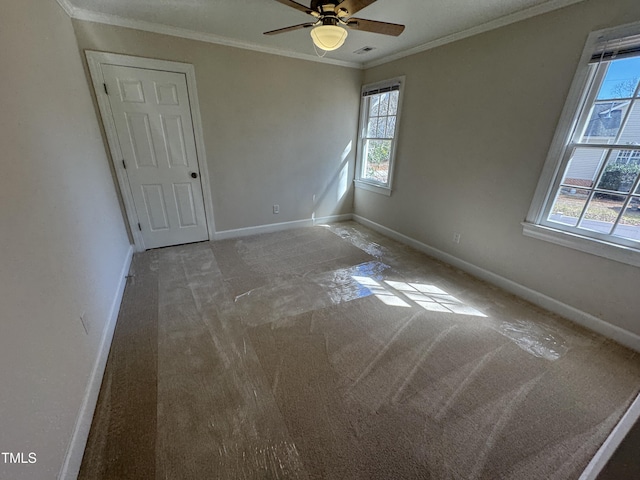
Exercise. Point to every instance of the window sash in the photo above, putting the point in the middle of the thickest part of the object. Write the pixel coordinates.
(368, 97)
(595, 75)
(368, 93)
(593, 190)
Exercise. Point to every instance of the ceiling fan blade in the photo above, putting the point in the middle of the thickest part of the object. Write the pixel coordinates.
(353, 6)
(296, 5)
(290, 29)
(376, 27)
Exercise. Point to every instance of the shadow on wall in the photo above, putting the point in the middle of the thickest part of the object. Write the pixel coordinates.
(340, 179)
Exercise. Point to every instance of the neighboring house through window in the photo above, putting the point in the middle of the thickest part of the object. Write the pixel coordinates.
(589, 194)
(378, 131)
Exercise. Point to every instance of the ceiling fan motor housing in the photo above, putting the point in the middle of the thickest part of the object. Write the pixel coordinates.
(324, 6)
(331, 18)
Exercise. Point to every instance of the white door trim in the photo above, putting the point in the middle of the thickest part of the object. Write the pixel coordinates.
(95, 61)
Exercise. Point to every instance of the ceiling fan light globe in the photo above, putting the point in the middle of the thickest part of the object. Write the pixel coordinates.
(328, 37)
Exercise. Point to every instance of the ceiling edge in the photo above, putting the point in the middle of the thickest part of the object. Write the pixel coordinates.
(67, 7)
(485, 27)
(89, 16)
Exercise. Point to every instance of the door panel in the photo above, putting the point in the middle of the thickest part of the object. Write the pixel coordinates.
(142, 149)
(184, 201)
(152, 116)
(174, 140)
(155, 207)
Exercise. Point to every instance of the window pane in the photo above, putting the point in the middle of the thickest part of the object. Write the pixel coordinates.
(391, 127)
(374, 102)
(621, 79)
(619, 176)
(372, 127)
(384, 103)
(393, 102)
(604, 122)
(382, 123)
(376, 160)
(583, 167)
(630, 133)
(628, 157)
(568, 206)
(629, 225)
(602, 212)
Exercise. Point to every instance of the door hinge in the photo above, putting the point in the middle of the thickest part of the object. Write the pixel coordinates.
(105, 88)
(124, 164)
(139, 227)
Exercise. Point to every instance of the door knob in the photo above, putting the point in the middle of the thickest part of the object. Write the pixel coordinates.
(194, 175)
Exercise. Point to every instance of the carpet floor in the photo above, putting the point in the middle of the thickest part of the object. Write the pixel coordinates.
(333, 352)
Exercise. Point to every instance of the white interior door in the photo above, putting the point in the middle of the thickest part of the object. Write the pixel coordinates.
(152, 116)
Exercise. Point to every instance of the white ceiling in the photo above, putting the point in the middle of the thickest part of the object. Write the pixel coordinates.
(242, 22)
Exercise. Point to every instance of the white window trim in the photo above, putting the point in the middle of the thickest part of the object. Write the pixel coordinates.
(544, 193)
(372, 187)
(364, 183)
(601, 248)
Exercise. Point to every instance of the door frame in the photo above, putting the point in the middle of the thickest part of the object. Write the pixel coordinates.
(95, 60)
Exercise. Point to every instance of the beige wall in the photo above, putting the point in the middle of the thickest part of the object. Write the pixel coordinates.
(62, 238)
(277, 130)
(478, 118)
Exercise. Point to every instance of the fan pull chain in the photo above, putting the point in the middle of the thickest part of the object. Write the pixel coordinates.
(316, 49)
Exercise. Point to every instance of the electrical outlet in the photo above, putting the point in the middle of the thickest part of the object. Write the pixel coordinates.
(456, 237)
(276, 209)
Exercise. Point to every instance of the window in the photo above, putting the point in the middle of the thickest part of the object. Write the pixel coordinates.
(589, 195)
(379, 116)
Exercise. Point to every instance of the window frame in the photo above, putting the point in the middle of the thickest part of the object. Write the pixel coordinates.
(360, 181)
(536, 224)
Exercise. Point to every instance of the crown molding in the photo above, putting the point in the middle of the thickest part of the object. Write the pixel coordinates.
(67, 7)
(485, 27)
(108, 19)
(115, 20)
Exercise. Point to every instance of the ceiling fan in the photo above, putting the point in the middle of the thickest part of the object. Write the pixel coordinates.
(331, 16)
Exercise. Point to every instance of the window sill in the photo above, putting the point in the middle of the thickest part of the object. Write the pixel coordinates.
(612, 251)
(372, 187)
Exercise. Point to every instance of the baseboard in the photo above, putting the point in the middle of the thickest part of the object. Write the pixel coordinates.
(75, 450)
(584, 319)
(276, 227)
(333, 218)
(587, 320)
